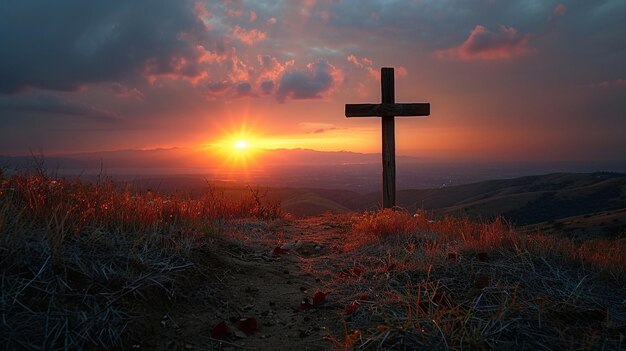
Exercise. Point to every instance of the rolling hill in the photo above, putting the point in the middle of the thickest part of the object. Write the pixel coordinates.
(579, 203)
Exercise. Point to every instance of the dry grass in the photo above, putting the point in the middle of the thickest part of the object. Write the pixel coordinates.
(454, 284)
(82, 262)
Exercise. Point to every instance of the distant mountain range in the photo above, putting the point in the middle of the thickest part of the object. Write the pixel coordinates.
(199, 157)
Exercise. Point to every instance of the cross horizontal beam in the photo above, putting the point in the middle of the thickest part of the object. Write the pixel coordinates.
(387, 110)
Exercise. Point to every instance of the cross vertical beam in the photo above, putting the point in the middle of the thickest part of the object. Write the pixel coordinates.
(388, 95)
(388, 109)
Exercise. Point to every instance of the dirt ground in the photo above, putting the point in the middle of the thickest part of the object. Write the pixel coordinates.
(249, 281)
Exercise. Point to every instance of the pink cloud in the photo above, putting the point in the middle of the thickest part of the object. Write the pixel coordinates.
(206, 56)
(271, 68)
(248, 36)
(360, 63)
(200, 10)
(485, 45)
(559, 10)
(233, 8)
(271, 21)
(367, 64)
(239, 70)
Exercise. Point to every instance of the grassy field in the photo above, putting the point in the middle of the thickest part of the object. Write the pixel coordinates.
(457, 284)
(93, 265)
(82, 263)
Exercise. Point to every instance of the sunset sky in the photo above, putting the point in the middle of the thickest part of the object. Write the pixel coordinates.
(507, 80)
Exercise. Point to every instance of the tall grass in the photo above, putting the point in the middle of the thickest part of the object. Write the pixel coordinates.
(456, 284)
(80, 261)
(459, 234)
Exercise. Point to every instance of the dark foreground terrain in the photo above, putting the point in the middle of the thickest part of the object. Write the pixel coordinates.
(89, 266)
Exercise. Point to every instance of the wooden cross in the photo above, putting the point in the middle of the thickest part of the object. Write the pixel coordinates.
(387, 110)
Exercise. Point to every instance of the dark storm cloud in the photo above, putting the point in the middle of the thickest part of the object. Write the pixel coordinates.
(244, 89)
(309, 84)
(218, 87)
(63, 45)
(267, 86)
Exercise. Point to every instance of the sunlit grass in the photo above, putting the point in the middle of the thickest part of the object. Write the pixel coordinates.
(451, 283)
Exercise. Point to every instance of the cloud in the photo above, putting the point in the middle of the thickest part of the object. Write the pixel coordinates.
(122, 91)
(218, 87)
(271, 21)
(244, 89)
(318, 79)
(615, 83)
(248, 36)
(559, 10)
(233, 8)
(271, 68)
(65, 45)
(485, 45)
(267, 86)
(317, 128)
(360, 63)
(50, 105)
(367, 64)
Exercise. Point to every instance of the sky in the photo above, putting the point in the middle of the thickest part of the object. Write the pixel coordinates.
(507, 80)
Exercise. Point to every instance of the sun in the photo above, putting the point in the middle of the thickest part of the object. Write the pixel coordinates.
(241, 144)
(239, 148)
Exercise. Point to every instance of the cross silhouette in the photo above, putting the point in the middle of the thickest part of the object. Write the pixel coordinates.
(387, 110)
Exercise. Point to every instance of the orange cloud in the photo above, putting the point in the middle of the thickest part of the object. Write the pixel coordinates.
(271, 68)
(248, 36)
(483, 44)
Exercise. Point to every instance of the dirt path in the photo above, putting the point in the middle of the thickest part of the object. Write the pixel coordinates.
(259, 284)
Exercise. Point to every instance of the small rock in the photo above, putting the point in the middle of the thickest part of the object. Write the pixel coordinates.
(240, 334)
